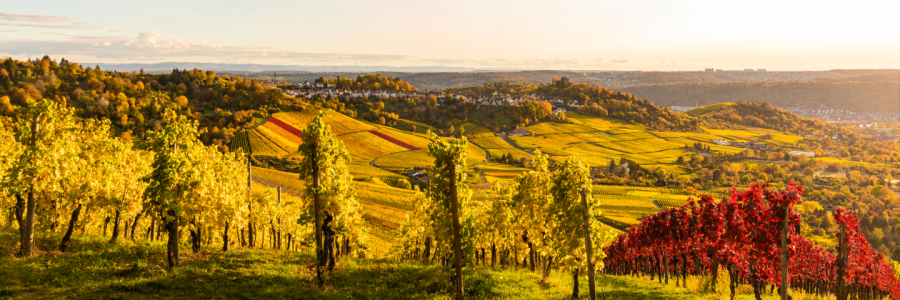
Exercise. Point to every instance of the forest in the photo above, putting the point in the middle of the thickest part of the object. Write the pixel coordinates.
(764, 115)
(134, 101)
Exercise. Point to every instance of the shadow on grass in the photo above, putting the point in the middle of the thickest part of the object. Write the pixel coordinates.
(95, 269)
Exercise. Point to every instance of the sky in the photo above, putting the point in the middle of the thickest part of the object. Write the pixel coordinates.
(562, 35)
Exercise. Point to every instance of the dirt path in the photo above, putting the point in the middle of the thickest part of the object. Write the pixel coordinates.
(510, 142)
(487, 155)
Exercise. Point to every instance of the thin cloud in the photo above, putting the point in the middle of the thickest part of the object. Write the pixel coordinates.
(151, 46)
(43, 21)
(56, 26)
(35, 18)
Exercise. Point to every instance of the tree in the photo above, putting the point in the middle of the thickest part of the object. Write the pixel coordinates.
(174, 183)
(324, 166)
(571, 207)
(451, 197)
(43, 132)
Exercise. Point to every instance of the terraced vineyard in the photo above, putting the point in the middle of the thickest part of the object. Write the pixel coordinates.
(381, 153)
(241, 143)
(597, 140)
(263, 144)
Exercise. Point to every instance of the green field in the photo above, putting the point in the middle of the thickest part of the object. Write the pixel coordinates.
(95, 269)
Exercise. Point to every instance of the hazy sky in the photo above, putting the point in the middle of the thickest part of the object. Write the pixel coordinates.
(573, 34)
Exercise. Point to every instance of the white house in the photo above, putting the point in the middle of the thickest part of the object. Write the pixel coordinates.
(806, 154)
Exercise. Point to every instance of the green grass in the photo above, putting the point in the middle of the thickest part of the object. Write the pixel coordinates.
(95, 269)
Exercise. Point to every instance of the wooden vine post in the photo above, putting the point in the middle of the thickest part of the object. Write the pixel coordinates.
(841, 263)
(457, 245)
(785, 283)
(279, 220)
(250, 239)
(588, 247)
(451, 196)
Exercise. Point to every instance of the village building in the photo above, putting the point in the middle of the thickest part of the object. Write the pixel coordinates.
(806, 154)
(519, 132)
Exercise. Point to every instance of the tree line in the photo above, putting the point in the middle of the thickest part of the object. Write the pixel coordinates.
(135, 101)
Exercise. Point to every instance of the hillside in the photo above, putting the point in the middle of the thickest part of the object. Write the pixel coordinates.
(435, 80)
(874, 93)
(761, 115)
(380, 153)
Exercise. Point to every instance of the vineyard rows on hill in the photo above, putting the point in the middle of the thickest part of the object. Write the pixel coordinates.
(241, 142)
(287, 127)
(394, 140)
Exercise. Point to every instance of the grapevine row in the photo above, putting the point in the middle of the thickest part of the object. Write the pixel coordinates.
(742, 235)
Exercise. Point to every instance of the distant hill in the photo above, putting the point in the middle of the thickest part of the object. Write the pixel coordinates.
(868, 93)
(438, 77)
(168, 66)
(761, 115)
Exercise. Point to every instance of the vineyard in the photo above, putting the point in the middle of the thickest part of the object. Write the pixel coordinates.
(381, 210)
(743, 236)
(394, 141)
(597, 140)
(241, 143)
(290, 129)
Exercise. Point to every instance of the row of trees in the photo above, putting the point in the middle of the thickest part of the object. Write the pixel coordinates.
(544, 218)
(754, 235)
(369, 82)
(64, 171)
(865, 189)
